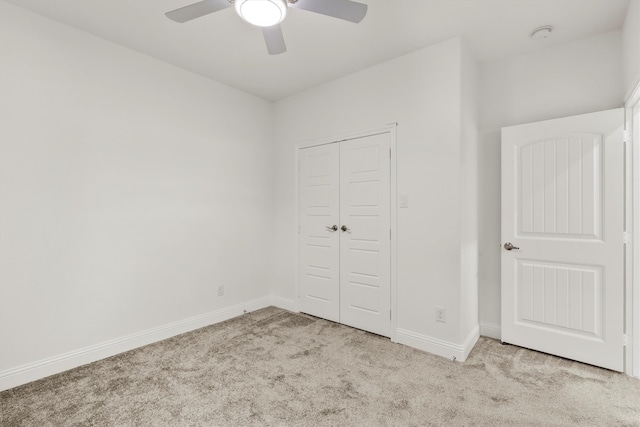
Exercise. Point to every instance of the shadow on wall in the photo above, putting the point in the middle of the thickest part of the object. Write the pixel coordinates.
(489, 230)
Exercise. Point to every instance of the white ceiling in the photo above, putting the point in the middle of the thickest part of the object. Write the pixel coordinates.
(223, 47)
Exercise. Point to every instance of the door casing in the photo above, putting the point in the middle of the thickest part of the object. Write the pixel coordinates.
(632, 225)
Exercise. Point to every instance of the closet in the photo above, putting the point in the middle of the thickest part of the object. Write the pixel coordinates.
(344, 271)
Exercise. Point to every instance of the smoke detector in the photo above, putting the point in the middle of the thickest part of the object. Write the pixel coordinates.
(541, 33)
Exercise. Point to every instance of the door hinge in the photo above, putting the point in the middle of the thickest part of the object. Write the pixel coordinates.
(389, 234)
(389, 152)
(625, 340)
(298, 164)
(626, 237)
(389, 314)
(626, 136)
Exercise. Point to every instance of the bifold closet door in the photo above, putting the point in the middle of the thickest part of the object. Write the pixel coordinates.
(365, 235)
(344, 237)
(319, 252)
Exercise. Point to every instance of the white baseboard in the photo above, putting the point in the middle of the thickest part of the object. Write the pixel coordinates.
(284, 303)
(491, 330)
(470, 342)
(437, 346)
(43, 368)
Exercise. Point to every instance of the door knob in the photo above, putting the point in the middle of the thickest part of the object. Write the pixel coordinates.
(508, 246)
(345, 228)
(332, 228)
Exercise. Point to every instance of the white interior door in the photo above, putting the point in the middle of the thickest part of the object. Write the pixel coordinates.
(562, 210)
(319, 252)
(365, 239)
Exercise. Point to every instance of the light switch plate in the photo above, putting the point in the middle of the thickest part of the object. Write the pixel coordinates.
(404, 200)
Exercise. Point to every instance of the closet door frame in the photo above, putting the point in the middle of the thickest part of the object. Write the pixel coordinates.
(391, 129)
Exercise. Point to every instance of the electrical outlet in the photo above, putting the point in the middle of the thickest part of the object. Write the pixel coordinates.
(441, 315)
(220, 290)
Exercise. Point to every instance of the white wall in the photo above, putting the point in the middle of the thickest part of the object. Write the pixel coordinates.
(130, 189)
(631, 47)
(422, 93)
(469, 196)
(579, 77)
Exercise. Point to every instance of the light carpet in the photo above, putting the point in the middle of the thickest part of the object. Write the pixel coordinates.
(273, 367)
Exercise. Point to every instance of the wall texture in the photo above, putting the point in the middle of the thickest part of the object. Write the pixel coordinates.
(631, 47)
(130, 191)
(579, 77)
(469, 195)
(422, 93)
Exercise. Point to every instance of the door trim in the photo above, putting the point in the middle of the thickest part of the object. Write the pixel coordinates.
(632, 225)
(391, 129)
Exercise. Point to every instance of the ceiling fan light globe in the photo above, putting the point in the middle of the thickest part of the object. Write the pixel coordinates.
(262, 13)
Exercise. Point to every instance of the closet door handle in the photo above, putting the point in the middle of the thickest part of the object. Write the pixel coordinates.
(333, 228)
(344, 228)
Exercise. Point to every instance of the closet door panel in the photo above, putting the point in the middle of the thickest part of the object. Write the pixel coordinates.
(365, 221)
(319, 252)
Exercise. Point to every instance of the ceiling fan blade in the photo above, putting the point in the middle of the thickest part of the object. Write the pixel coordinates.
(197, 10)
(274, 39)
(342, 9)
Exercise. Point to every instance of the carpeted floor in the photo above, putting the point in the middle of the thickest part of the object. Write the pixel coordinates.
(273, 367)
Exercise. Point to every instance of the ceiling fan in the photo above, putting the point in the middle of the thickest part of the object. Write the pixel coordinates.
(268, 14)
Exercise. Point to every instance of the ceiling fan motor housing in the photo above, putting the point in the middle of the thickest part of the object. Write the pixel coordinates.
(262, 13)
